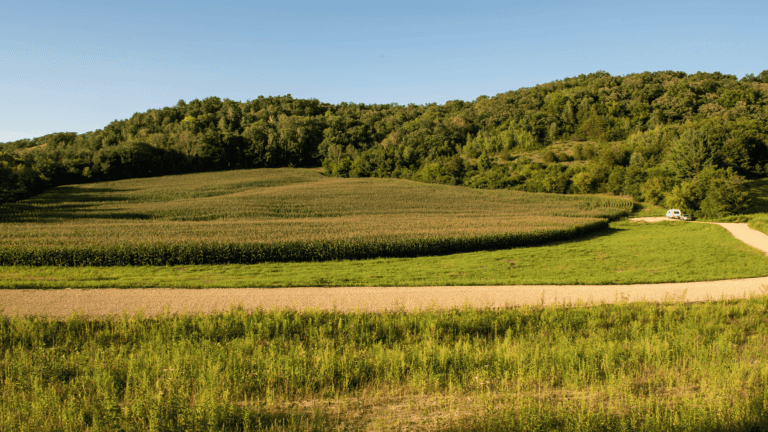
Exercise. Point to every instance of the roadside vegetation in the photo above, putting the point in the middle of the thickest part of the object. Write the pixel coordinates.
(639, 366)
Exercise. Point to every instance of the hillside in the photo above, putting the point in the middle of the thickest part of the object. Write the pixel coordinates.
(664, 137)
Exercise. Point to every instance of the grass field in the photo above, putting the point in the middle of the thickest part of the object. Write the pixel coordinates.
(251, 216)
(639, 366)
(625, 253)
(672, 367)
(180, 216)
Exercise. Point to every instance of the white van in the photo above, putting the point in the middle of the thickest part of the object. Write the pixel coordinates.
(677, 214)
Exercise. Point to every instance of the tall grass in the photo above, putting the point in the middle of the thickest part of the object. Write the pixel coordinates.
(611, 367)
(256, 216)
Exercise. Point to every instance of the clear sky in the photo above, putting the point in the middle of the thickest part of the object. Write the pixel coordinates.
(78, 65)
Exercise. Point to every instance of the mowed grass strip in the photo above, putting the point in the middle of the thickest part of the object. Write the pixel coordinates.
(252, 216)
(626, 253)
(639, 366)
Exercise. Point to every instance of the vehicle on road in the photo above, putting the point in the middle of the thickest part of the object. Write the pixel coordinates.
(677, 214)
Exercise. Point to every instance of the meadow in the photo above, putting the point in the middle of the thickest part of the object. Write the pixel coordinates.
(279, 215)
(639, 366)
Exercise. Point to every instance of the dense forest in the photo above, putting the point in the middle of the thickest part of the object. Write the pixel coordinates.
(671, 138)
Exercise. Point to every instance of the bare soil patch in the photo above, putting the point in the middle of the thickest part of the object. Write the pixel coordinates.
(153, 301)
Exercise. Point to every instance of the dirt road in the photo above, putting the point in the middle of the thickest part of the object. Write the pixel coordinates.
(99, 302)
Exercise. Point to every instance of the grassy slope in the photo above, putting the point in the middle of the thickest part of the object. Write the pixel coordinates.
(266, 205)
(626, 253)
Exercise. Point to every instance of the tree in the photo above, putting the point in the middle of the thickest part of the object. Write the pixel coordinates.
(583, 182)
(762, 77)
(692, 153)
(256, 139)
(484, 162)
(713, 193)
(299, 139)
(615, 183)
(456, 168)
(363, 165)
(683, 196)
(724, 195)
(653, 190)
(8, 179)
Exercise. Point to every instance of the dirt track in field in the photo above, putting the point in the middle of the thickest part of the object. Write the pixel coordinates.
(100, 302)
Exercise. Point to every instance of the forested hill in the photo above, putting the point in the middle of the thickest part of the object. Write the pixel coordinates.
(665, 137)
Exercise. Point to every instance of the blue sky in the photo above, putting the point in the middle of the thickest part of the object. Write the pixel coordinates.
(78, 65)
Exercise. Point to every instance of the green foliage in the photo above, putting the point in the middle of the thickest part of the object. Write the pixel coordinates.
(711, 193)
(484, 162)
(724, 194)
(671, 119)
(653, 189)
(762, 77)
(692, 153)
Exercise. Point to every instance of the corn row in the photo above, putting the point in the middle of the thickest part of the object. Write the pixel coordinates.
(157, 254)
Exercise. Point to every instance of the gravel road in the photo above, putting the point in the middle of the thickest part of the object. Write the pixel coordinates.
(101, 302)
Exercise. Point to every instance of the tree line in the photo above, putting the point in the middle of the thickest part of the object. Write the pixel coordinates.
(677, 139)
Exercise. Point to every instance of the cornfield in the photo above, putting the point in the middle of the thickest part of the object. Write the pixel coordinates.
(280, 215)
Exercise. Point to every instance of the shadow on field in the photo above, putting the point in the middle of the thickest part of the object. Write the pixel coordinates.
(603, 232)
(68, 202)
(588, 236)
(758, 196)
(78, 194)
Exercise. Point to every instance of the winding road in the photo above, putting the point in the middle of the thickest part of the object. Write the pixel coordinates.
(101, 302)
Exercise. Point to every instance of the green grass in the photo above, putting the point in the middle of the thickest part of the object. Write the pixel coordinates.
(639, 366)
(649, 210)
(625, 253)
(251, 216)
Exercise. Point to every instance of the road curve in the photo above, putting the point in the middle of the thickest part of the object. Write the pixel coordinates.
(103, 302)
